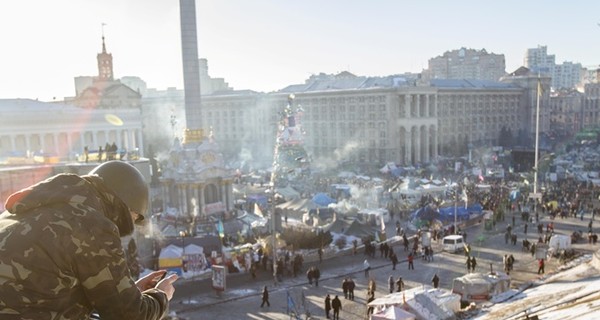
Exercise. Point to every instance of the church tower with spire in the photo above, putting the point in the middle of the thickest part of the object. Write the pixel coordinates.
(105, 63)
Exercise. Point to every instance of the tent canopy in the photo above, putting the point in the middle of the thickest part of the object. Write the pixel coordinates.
(393, 313)
(322, 199)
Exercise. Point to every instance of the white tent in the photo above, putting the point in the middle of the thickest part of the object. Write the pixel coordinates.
(171, 252)
(393, 313)
(193, 249)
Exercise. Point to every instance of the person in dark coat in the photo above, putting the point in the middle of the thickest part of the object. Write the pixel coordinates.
(265, 297)
(399, 284)
(345, 285)
(336, 305)
(394, 259)
(351, 286)
(468, 264)
(327, 306)
(435, 281)
(391, 283)
(473, 263)
(316, 275)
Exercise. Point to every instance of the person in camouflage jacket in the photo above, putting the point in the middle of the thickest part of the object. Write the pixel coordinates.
(61, 255)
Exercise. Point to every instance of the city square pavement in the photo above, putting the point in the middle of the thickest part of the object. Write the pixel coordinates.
(242, 298)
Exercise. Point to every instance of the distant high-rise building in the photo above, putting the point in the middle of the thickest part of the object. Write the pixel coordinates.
(567, 75)
(564, 76)
(210, 85)
(537, 60)
(466, 64)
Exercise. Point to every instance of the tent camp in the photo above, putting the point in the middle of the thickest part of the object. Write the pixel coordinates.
(393, 313)
(446, 214)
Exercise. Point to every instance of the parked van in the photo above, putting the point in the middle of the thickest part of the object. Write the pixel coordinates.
(453, 243)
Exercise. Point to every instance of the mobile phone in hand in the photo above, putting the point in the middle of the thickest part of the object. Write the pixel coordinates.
(163, 276)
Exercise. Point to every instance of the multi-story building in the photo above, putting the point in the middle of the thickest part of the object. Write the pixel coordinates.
(533, 112)
(591, 74)
(564, 76)
(539, 61)
(572, 111)
(475, 112)
(466, 64)
(373, 119)
(566, 112)
(567, 75)
(103, 113)
(103, 91)
(64, 131)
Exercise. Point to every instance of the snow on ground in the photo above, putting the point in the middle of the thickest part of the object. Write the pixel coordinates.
(569, 294)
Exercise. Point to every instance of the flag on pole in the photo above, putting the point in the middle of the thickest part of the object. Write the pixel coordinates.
(258, 211)
(220, 229)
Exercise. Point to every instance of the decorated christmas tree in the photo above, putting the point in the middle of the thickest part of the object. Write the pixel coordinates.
(290, 160)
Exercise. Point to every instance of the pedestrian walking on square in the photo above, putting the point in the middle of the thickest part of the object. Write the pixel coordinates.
(541, 266)
(367, 267)
(468, 264)
(316, 275)
(351, 286)
(336, 305)
(411, 258)
(473, 263)
(435, 281)
(327, 306)
(345, 285)
(391, 283)
(320, 255)
(265, 297)
(394, 259)
(405, 242)
(399, 285)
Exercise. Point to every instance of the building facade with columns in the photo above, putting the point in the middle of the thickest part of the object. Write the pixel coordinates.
(371, 119)
(64, 130)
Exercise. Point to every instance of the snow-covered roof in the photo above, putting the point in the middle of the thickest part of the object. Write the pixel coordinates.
(570, 294)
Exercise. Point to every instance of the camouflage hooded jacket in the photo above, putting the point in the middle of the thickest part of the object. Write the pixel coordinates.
(61, 255)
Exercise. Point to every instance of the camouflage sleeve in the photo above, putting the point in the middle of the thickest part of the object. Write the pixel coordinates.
(102, 269)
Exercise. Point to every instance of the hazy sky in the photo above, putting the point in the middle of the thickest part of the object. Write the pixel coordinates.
(265, 45)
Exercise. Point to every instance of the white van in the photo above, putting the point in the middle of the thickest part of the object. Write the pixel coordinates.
(453, 243)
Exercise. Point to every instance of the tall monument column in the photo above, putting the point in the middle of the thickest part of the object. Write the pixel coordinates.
(191, 68)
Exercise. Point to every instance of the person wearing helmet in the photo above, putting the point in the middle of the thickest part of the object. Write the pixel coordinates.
(60, 249)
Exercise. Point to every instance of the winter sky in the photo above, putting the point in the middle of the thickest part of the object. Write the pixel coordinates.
(265, 45)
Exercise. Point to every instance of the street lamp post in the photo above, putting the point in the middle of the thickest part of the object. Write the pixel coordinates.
(182, 235)
(273, 232)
